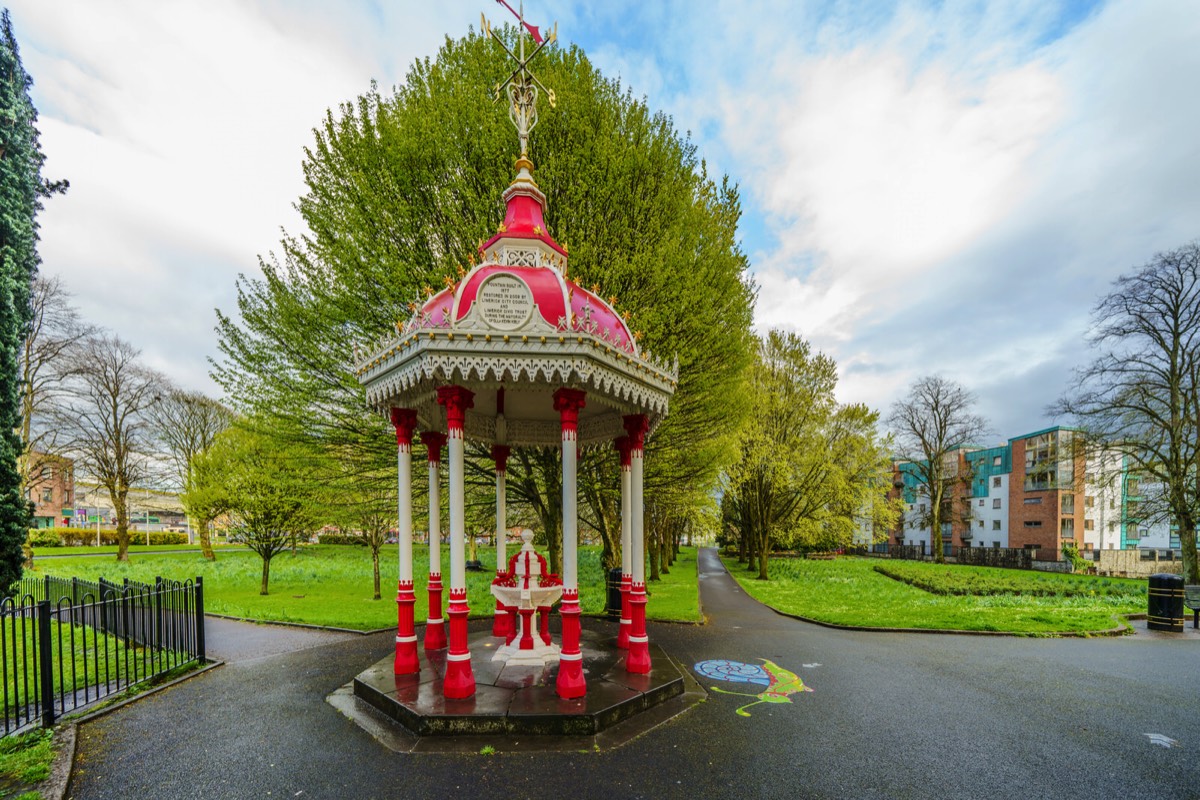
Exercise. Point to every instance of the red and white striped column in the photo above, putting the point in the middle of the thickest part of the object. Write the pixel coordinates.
(625, 448)
(459, 681)
(435, 626)
(570, 685)
(638, 660)
(500, 452)
(404, 420)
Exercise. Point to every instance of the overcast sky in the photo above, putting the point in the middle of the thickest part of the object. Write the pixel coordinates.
(927, 187)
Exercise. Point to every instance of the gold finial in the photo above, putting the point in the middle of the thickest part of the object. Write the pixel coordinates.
(595, 288)
(637, 335)
(448, 281)
(522, 85)
(503, 228)
(612, 301)
(412, 306)
(428, 291)
(462, 273)
(625, 316)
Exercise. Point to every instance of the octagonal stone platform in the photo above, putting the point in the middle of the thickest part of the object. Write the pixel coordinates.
(520, 700)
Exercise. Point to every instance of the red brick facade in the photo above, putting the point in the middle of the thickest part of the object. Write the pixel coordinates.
(51, 488)
(1036, 515)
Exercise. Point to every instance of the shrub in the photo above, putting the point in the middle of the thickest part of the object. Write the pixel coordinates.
(83, 537)
(340, 538)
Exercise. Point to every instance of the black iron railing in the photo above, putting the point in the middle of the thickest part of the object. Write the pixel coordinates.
(66, 643)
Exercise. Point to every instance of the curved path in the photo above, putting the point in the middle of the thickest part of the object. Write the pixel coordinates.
(890, 716)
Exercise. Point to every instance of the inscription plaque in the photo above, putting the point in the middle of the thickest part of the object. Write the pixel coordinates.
(505, 302)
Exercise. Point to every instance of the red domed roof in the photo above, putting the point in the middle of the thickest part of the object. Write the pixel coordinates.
(551, 292)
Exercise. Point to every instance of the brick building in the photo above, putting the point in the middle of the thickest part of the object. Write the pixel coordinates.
(51, 489)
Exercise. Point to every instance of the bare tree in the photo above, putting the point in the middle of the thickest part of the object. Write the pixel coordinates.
(47, 359)
(1141, 396)
(104, 414)
(930, 425)
(185, 425)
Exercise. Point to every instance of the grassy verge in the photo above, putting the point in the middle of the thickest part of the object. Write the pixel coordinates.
(25, 762)
(331, 585)
(849, 591)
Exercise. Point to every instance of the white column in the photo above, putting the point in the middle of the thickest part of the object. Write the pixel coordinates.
(570, 519)
(626, 521)
(637, 522)
(404, 530)
(435, 518)
(458, 556)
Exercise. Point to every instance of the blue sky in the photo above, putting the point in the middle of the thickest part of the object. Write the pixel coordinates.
(927, 187)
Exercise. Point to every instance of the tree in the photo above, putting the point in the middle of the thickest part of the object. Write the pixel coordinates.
(267, 491)
(186, 424)
(1140, 397)
(930, 425)
(105, 416)
(54, 333)
(22, 190)
(809, 467)
(401, 188)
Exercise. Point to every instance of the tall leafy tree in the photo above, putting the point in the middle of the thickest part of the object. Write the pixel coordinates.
(930, 424)
(809, 466)
(185, 424)
(401, 189)
(22, 189)
(1140, 397)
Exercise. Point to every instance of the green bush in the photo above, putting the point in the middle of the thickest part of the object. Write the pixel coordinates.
(340, 538)
(83, 537)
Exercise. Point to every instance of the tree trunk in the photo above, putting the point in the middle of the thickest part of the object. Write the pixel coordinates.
(652, 551)
(118, 499)
(375, 567)
(206, 548)
(266, 575)
(763, 550)
(1187, 547)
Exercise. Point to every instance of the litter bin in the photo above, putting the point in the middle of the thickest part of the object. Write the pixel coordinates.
(1165, 611)
(614, 593)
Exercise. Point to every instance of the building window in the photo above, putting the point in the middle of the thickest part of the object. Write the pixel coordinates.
(1033, 501)
(1133, 486)
(1133, 532)
(1089, 525)
(981, 523)
(997, 461)
(1033, 523)
(995, 483)
(47, 473)
(996, 503)
(1066, 528)
(996, 545)
(981, 502)
(995, 524)
(1068, 503)
(1089, 501)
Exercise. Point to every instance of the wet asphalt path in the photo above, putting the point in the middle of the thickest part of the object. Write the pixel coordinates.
(890, 716)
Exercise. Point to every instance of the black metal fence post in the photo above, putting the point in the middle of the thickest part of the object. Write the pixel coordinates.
(200, 656)
(45, 670)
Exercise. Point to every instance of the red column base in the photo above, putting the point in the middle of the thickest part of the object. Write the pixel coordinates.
(459, 681)
(544, 624)
(623, 630)
(637, 661)
(570, 684)
(435, 626)
(526, 629)
(500, 621)
(406, 637)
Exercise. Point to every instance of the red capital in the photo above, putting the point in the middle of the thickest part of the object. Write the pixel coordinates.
(404, 420)
(500, 454)
(434, 442)
(568, 403)
(624, 446)
(456, 399)
(637, 425)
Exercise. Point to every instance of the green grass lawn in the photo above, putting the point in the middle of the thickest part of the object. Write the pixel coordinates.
(850, 591)
(25, 761)
(134, 547)
(331, 584)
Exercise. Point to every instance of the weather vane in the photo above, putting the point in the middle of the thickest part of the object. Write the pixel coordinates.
(522, 85)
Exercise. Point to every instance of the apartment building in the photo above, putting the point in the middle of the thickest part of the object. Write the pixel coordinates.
(51, 489)
(1038, 491)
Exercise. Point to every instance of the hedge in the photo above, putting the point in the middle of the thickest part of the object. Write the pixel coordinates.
(82, 537)
(340, 538)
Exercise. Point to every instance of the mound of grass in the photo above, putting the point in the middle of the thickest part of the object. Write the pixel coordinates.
(849, 591)
(331, 585)
(952, 579)
(25, 762)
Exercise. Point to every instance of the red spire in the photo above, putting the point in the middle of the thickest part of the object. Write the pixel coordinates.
(525, 209)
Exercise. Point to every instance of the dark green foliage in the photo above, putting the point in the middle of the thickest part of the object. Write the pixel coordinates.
(21, 190)
(85, 537)
(341, 538)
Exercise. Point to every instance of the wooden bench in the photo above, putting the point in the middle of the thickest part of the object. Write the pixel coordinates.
(1191, 599)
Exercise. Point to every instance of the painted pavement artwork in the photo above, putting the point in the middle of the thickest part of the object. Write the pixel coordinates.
(780, 683)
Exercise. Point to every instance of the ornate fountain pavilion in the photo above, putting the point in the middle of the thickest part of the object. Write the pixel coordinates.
(516, 354)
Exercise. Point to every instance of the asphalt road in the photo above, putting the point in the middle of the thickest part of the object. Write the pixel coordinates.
(890, 716)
